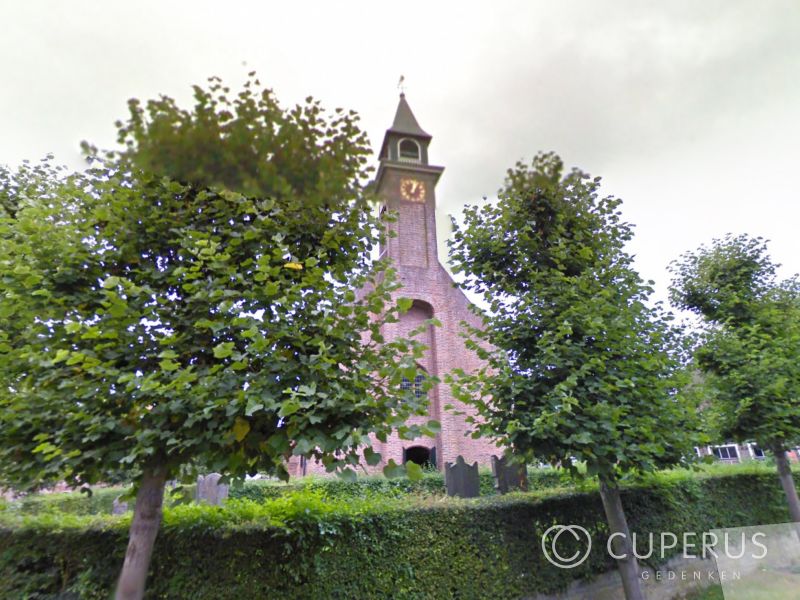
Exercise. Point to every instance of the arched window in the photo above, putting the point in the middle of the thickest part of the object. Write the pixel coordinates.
(409, 150)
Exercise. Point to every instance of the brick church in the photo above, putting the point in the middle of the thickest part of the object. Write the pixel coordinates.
(406, 184)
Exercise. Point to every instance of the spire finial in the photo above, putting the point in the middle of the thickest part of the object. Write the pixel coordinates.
(401, 85)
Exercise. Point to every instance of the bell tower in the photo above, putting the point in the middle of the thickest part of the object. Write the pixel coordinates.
(406, 184)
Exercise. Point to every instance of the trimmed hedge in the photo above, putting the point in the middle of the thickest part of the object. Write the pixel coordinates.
(305, 546)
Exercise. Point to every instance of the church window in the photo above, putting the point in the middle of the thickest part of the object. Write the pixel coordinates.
(409, 150)
(417, 385)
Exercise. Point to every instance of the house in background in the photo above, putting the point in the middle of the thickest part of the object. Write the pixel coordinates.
(736, 453)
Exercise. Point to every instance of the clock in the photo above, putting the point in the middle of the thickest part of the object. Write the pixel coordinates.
(412, 190)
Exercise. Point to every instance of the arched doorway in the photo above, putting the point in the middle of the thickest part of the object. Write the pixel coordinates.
(424, 457)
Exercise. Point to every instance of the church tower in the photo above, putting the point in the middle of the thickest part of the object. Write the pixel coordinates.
(406, 184)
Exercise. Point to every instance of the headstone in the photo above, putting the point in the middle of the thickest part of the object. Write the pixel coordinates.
(118, 507)
(509, 477)
(462, 479)
(210, 490)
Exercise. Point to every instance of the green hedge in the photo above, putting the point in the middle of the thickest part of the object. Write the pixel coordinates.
(302, 545)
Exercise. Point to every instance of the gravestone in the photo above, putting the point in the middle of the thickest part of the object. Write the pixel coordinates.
(118, 507)
(210, 490)
(509, 477)
(461, 479)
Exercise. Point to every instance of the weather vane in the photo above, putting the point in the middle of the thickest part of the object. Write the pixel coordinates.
(400, 84)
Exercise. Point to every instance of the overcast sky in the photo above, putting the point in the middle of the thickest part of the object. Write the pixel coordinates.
(688, 110)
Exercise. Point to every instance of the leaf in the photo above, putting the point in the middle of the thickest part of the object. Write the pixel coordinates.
(414, 471)
(61, 355)
(223, 350)
(289, 407)
(404, 304)
(348, 475)
(293, 265)
(169, 365)
(393, 470)
(253, 405)
(371, 457)
(111, 282)
(241, 427)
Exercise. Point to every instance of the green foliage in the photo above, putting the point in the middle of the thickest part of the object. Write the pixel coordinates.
(304, 545)
(30, 182)
(713, 592)
(749, 347)
(430, 484)
(169, 309)
(581, 367)
(248, 143)
(99, 502)
(724, 282)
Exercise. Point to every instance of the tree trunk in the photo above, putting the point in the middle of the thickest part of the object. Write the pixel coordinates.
(785, 475)
(628, 566)
(142, 537)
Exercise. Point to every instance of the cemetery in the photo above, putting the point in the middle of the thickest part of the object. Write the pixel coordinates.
(246, 353)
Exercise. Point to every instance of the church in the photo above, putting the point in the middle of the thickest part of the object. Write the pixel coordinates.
(406, 185)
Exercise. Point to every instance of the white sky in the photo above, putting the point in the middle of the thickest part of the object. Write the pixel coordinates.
(688, 110)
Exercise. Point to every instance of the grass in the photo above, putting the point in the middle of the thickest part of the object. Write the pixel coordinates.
(544, 482)
(713, 592)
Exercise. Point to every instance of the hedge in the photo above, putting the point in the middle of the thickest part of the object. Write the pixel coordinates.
(302, 545)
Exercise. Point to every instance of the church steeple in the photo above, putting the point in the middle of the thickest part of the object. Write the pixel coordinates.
(405, 182)
(405, 123)
(405, 143)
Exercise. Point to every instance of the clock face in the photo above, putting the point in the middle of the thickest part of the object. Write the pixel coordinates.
(412, 190)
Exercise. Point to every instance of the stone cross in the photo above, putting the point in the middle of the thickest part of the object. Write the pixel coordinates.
(210, 490)
(462, 479)
(509, 477)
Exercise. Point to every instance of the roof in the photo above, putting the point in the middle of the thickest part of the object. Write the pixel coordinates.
(404, 121)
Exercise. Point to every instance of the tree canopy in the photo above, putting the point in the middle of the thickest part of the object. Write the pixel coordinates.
(204, 298)
(749, 345)
(582, 368)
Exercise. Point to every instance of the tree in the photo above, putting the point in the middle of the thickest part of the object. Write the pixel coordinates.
(169, 311)
(749, 346)
(579, 367)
